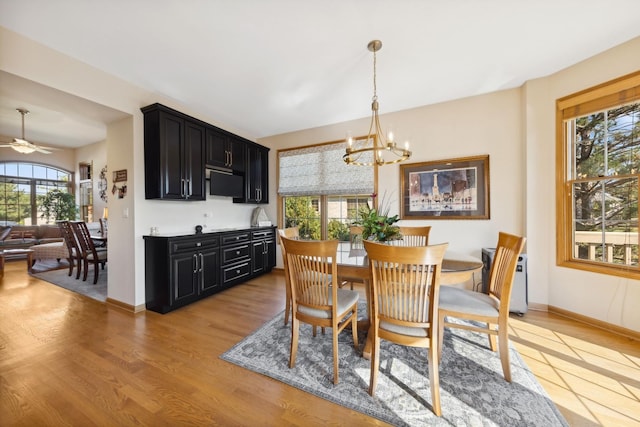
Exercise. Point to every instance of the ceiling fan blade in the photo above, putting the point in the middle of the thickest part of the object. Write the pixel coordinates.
(42, 150)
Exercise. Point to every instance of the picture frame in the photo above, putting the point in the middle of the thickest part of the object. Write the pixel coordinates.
(445, 189)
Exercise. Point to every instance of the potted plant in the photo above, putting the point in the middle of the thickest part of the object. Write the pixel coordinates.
(377, 224)
(57, 206)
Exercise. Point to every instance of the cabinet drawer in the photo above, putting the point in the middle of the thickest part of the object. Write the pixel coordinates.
(235, 253)
(230, 239)
(262, 234)
(235, 272)
(193, 244)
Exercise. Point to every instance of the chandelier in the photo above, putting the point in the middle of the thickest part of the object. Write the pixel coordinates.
(383, 151)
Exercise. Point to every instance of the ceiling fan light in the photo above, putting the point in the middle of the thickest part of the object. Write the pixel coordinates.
(23, 149)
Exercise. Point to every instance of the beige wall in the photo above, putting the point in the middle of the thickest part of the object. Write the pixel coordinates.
(606, 298)
(517, 129)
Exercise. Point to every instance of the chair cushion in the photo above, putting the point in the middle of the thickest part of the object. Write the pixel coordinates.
(346, 298)
(404, 330)
(465, 301)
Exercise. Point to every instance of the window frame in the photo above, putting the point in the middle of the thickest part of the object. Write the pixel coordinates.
(607, 95)
(35, 182)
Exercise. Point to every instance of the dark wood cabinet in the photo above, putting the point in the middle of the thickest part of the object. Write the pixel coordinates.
(263, 245)
(256, 175)
(182, 269)
(224, 150)
(174, 149)
(178, 149)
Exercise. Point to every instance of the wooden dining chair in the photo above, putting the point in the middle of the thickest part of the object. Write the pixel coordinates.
(405, 288)
(75, 255)
(289, 233)
(413, 236)
(89, 253)
(315, 296)
(491, 308)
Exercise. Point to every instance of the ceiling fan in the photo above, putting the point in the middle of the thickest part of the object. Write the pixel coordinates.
(23, 146)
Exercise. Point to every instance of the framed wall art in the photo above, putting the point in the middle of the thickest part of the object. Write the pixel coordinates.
(445, 189)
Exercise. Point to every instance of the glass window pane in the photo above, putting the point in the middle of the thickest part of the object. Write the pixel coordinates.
(11, 169)
(589, 145)
(304, 212)
(39, 171)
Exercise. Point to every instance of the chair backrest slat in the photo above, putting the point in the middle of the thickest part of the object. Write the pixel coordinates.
(413, 236)
(504, 266)
(312, 271)
(406, 281)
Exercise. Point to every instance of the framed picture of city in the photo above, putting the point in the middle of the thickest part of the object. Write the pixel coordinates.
(445, 189)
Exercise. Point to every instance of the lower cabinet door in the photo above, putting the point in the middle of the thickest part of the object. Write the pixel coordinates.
(184, 280)
(210, 264)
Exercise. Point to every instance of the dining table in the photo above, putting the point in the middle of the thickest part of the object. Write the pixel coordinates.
(353, 266)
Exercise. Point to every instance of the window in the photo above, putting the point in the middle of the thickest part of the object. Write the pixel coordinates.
(598, 172)
(22, 185)
(320, 193)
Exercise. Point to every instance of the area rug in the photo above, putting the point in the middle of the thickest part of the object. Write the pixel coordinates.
(472, 387)
(61, 278)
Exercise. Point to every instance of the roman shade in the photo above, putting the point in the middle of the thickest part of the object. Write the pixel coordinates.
(320, 170)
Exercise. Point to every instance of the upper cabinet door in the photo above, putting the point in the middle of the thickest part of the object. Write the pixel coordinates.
(194, 152)
(173, 155)
(225, 150)
(257, 175)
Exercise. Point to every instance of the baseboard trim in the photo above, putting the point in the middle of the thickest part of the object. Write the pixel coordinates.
(538, 307)
(595, 322)
(126, 307)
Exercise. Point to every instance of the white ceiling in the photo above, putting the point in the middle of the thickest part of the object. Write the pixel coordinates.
(269, 67)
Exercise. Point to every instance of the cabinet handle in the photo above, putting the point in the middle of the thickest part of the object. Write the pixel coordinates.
(201, 262)
(195, 263)
(237, 252)
(182, 187)
(190, 191)
(230, 158)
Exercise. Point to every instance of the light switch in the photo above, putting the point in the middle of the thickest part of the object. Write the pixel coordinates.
(125, 213)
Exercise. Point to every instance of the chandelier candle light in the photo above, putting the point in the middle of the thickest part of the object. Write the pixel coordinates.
(375, 142)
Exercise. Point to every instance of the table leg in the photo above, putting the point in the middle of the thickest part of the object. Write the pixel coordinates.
(1, 265)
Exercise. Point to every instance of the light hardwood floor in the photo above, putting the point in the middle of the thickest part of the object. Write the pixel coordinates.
(69, 360)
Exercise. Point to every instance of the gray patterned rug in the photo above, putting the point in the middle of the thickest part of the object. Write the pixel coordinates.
(472, 388)
(60, 277)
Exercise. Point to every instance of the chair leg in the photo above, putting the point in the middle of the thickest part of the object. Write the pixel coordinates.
(440, 335)
(434, 376)
(335, 351)
(95, 273)
(354, 327)
(287, 309)
(86, 270)
(492, 338)
(78, 267)
(503, 338)
(375, 362)
(70, 266)
(295, 324)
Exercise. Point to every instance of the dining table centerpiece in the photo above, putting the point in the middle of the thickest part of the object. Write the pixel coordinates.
(377, 224)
